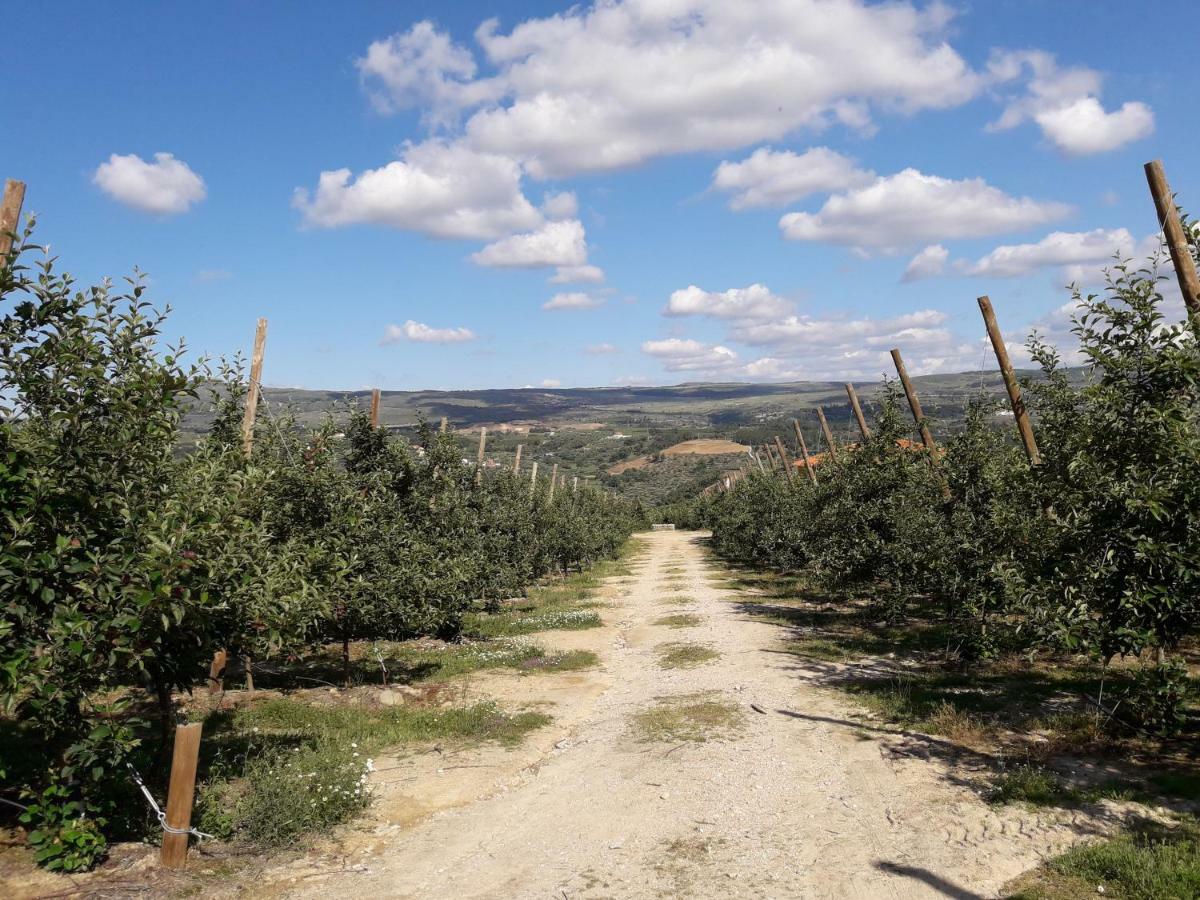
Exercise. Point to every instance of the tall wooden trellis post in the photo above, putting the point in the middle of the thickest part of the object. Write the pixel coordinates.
(1177, 242)
(858, 413)
(808, 467)
(1020, 413)
(829, 442)
(10, 216)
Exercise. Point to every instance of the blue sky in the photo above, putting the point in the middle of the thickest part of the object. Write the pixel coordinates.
(800, 184)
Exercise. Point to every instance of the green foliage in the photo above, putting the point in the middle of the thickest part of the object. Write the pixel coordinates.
(1155, 700)
(1096, 550)
(126, 563)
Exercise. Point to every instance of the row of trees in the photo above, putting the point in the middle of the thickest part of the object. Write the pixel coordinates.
(124, 564)
(1095, 550)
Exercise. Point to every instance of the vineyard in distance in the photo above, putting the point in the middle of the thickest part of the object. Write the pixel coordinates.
(936, 636)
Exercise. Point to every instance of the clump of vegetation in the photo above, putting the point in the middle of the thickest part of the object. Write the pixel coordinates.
(683, 655)
(689, 717)
(1152, 861)
(680, 620)
(283, 768)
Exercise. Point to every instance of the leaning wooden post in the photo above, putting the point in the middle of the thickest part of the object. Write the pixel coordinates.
(216, 673)
(517, 461)
(375, 408)
(180, 795)
(574, 484)
(10, 216)
(828, 435)
(256, 364)
(479, 455)
(771, 457)
(553, 480)
(1177, 243)
(858, 413)
(442, 427)
(1010, 381)
(533, 476)
(758, 459)
(914, 403)
(787, 463)
(812, 475)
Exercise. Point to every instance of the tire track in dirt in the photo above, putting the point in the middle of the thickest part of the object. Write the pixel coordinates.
(804, 803)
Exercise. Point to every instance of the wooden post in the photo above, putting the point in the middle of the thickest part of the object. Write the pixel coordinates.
(828, 435)
(1177, 242)
(914, 403)
(858, 413)
(256, 364)
(758, 459)
(553, 480)
(216, 673)
(533, 476)
(812, 475)
(574, 484)
(375, 408)
(517, 461)
(180, 794)
(787, 463)
(443, 426)
(479, 454)
(10, 216)
(1010, 382)
(771, 457)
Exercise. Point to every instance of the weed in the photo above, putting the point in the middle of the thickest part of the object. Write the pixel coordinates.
(685, 656)
(688, 717)
(680, 620)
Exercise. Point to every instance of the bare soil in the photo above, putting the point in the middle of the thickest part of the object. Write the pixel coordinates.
(698, 447)
(799, 794)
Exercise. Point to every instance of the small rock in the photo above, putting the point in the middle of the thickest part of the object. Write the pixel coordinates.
(663, 796)
(389, 698)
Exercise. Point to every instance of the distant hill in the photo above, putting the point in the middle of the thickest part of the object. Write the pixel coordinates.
(611, 435)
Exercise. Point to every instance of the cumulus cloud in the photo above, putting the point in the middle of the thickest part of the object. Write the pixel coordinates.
(560, 205)
(685, 355)
(422, 333)
(578, 275)
(928, 263)
(551, 383)
(166, 186)
(772, 178)
(753, 302)
(1065, 104)
(909, 208)
(554, 244)
(1060, 248)
(438, 189)
(573, 300)
(618, 83)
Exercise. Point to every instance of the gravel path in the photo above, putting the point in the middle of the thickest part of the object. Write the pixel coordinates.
(806, 802)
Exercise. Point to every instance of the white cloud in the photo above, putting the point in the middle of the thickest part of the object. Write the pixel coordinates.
(685, 355)
(578, 275)
(1060, 248)
(1084, 127)
(599, 349)
(1065, 104)
(551, 383)
(166, 186)
(419, 331)
(910, 208)
(438, 189)
(554, 244)
(560, 205)
(929, 262)
(618, 83)
(573, 300)
(419, 67)
(753, 302)
(772, 178)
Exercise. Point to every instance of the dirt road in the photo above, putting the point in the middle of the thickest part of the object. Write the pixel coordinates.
(806, 800)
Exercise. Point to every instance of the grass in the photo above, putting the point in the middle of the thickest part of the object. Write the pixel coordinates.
(281, 768)
(683, 655)
(1037, 786)
(695, 718)
(1151, 861)
(679, 620)
(677, 599)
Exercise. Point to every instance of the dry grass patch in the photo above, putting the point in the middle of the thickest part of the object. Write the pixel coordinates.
(677, 599)
(689, 717)
(683, 655)
(679, 620)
